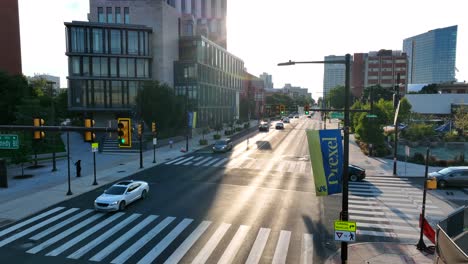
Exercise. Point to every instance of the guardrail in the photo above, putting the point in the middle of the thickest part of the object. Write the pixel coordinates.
(452, 238)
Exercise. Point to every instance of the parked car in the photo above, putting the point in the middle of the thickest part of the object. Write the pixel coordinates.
(264, 126)
(279, 125)
(121, 194)
(356, 173)
(456, 176)
(222, 145)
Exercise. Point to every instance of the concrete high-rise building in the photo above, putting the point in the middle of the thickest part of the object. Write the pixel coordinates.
(378, 68)
(10, 46)
(334, 74)
(267, 79)
(431, 56)
(203, 17)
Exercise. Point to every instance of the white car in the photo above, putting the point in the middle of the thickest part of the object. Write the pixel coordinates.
(120, 195)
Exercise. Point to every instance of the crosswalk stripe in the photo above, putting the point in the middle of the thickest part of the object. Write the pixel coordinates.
(60, 225)
(385, 219)
(198, 158)
(184, 160)
(161, 246)
(386, 178)
(217, 164)
(378, 191)
(201, 161)
(307, 252)
(80, 252)
(402, 199)
(122, 239)
(281, 166)
(408, 210)
(376, 233)
(259, 246)
(174, 160)
(188, 243)
(375, 202)
(209, 247)
(37, 217)
(35, 227)
(302, 168)
(84, 235)
(210, 162)
(281, 250)
(247, 164)
(124, 256)
(233, 247)
(380, 194)
(64, 234)
(406, 185)
(384, 226)
(365, 212)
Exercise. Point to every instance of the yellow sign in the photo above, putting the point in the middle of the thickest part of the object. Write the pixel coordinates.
(345, 226)
(94, 147)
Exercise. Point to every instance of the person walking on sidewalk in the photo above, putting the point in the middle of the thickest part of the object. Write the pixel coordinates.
(78, 168)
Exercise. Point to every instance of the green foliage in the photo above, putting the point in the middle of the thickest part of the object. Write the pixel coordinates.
(157, 102)
(429, 89)
(12, 90)
(416, 132)
(216, 136)
(405, 110)
(354, 116)
(203, 142)
(218, 127)
(378, 92)
(336, 97)
(461, 119)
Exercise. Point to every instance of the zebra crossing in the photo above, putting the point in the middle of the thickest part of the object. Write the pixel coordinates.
(302, 166)
(83, 234)
(389, 207)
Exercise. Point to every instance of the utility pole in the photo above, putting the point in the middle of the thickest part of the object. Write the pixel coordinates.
(396, 100)
(186, 119)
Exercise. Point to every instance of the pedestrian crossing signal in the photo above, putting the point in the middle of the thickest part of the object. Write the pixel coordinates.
(89, 136)
(124, 132)
(38, 134)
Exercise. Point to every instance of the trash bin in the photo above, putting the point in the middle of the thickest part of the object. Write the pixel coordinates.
(3, 174)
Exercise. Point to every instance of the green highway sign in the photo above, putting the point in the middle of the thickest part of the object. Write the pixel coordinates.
(371, 116)
(9, 141)
(337, 115)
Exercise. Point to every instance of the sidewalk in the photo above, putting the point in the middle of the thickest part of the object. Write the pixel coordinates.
(45, 188)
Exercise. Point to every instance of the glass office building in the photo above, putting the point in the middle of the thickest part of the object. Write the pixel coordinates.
(107, 64)
(212, 79)
(431, 56)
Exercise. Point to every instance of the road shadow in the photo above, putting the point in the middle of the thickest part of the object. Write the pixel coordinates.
(364, 189)
(263, 145)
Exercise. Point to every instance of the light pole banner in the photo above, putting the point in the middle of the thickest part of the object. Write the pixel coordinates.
(326, 157)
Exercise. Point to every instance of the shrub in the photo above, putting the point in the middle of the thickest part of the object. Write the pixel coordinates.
(238, 129)
(228, 132)
(246, 125)
(203, 142)
(418, 157)
(451, 137)
(216, 136)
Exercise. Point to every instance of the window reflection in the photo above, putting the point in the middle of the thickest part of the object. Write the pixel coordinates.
(115, 42)
(97, 40)
(132, 42)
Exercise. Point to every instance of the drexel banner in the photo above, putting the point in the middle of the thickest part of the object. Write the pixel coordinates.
(326, 157)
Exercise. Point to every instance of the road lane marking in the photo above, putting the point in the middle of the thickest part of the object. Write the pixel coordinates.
(122, 239)
(184, 160)
(61, 224)
(384, 219)
(198, 158)
(307, 252)
(210, 246)
(174, 160)
(64, 234)
(89, 246)
(188, 243)
(124, 256)
(161, 246)
(35, 227)
(210, 162)
(217, 164)
(233, 247)
(281, 251)
(84, 235)
(201, 161)
(258, 246)
(37, 217)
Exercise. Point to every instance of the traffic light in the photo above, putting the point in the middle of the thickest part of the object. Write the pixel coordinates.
(38, 134)
(153, 127)
(89, 136)
(277, 107)
(140, 130)
(282, 109)
(124, 132)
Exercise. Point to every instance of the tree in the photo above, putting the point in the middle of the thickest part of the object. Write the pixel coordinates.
(12, 90)
(429, 89)
(370, 129)
(461, 119)
(378, 92)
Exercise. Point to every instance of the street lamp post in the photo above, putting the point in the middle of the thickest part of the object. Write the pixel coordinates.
(396, 99)
(344, 215)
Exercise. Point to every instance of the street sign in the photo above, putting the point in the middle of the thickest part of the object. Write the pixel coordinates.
(407, 150)
(9, 141)
(371, 116)
(94, 147)
(337, 115)
(345, 236)
(155, 141)
(345, 226)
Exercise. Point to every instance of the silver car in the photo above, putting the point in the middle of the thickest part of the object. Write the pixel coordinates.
(452, 176)
(120, 195)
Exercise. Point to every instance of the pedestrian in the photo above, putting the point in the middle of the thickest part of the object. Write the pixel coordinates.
(170, 143)
(78, 168)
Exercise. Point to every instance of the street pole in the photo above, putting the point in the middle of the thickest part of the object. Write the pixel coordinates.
(187, 119)
(395, 106)
(68, 159)
(94, 166)
(54, 167)
(154, 150)
(141, 149)
(421, 245)
(344, 212)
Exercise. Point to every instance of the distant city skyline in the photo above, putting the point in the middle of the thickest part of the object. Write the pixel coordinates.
(301, 31)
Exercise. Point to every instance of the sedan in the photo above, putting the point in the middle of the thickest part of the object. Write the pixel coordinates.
(264, 127)
(356, 173)
(279, 125)
(121, 194)
(456, 176)
(222, 145)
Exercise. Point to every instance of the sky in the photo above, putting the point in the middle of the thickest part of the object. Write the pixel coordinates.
(265, 32)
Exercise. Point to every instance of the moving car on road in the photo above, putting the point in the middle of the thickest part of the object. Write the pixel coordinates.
(356, 173)
(264, 126)
(121, 194)
(279, 125)
(222, 145)
(456, 176)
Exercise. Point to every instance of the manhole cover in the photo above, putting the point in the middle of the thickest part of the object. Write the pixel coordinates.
(24, 176)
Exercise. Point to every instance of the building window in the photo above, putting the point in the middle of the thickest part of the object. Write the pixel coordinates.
(213, 8)
(203, 8)
(116, 94)
(115, 42)
(113, 67)
(75, 66)
(118, 18)
(97, 40)
(131, 67)
(126, 15)
(85, 66)
(123, 67)
(77, 39)
(100, 12)
(184, 7)
(109, 14)
(132, 92)
(96, 66)
(132, 42)
(99, 93)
